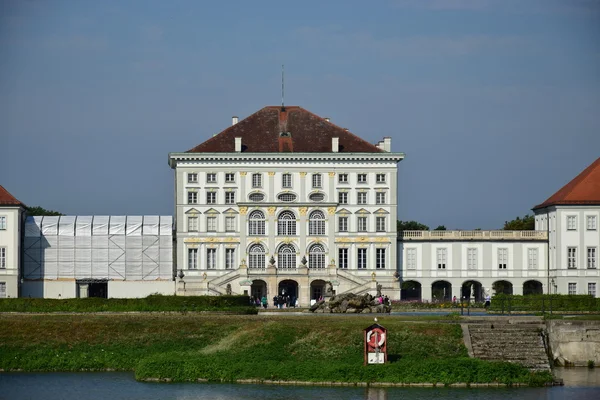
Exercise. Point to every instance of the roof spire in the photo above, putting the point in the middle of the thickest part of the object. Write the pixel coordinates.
(282, 89)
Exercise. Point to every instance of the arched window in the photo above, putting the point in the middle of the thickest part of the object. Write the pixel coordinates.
(286, 224)
(286, 257)
(316, 223)
(316, 257)
(256, 256)
(256, 223)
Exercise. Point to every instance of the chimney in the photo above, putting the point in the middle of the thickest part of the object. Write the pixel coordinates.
(234, 120)
(327, 119)
(387, 144)
(335, 144)
(238, 144)
(379, 145)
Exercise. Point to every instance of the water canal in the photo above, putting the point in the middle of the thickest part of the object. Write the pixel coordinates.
(580, 383)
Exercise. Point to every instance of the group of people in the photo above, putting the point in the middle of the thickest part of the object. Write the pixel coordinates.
(279, 301)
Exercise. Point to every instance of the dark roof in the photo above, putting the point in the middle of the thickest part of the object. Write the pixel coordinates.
(271, 130)
(583, 189)
(7, 199)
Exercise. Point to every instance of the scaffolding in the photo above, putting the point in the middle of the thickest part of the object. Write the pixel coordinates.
(132, 248)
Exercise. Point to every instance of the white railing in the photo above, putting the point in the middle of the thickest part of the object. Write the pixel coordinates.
(473, 235)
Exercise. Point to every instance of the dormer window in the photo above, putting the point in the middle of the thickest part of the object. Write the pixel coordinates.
(285, 134)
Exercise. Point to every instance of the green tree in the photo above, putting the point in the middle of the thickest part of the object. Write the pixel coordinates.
(527, 223)
(411, 226)
(37, 210)
(440, 228)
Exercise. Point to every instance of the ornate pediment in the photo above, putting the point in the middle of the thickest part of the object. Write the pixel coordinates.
(362, 211)
(230, 211)
(343, 211)
(192, 211)
(211, 211)
(381, 211)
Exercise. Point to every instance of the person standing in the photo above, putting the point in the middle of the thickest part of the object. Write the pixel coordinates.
(264, 302)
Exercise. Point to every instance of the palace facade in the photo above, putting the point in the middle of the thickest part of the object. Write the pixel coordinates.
(285, 200)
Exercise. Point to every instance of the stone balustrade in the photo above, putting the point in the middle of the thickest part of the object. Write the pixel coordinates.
(473, 235)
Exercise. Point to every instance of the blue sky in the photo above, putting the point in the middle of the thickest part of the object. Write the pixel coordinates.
(495, 103)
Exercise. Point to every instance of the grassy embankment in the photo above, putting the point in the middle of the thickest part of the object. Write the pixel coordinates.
(225, 348)
(156, 303)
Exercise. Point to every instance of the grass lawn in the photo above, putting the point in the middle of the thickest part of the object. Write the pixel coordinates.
(187, 347)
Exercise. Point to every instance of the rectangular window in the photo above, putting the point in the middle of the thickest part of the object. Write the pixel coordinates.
(211, 177)
(362, 259)
(192, 224)
(571, 222)
(572, 288)
(230, 224)
(2, 290)
(286, 181)
(256, 180)
(362, 198)
(211, 258)
(380, 224)
(472, 259)
(532, 258)
(572, 257)
(591, 223)
(380, 178)
(591, 258)
(192, 258)
(362, 178)
(2, 257)
(211, 197)
(2, 222)
(343, 258)
(441, 256)
(380, 198)
(592, 289)
(343, 198)
(343, 224)
(192, 177)
(502, 258)
(362, 224)
(211, 224)
(316, 180)
(380, 258)
(229, 258)
(343, 178)
(192, 198)
(229, 177)
(411, 258)
(229, 197)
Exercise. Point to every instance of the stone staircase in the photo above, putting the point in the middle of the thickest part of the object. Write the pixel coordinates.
(516, 340)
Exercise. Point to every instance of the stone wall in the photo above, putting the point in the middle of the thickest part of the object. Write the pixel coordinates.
(574, 342)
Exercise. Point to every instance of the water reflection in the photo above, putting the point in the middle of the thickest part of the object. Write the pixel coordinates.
(116, 386)
(579, 377)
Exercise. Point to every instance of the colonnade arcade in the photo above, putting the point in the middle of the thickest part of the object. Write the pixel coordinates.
(443, 290)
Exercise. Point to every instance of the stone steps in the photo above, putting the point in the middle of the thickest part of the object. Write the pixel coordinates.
(516, 341)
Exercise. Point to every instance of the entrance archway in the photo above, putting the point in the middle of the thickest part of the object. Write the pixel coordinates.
(441, 291)
(502, 287)
(258, 289)
(411, 291)
(532, 287)
(288, 287)
(317, 289)
(472, 290)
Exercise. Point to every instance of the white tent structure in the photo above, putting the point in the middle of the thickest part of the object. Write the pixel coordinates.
(105, 256)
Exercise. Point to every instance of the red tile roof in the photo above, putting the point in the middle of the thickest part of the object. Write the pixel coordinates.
(583, 189)
(303, 132)
(7, 199)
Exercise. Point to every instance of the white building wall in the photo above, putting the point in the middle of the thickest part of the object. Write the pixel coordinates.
(486, 271)
(10, 243)
(582, 277)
